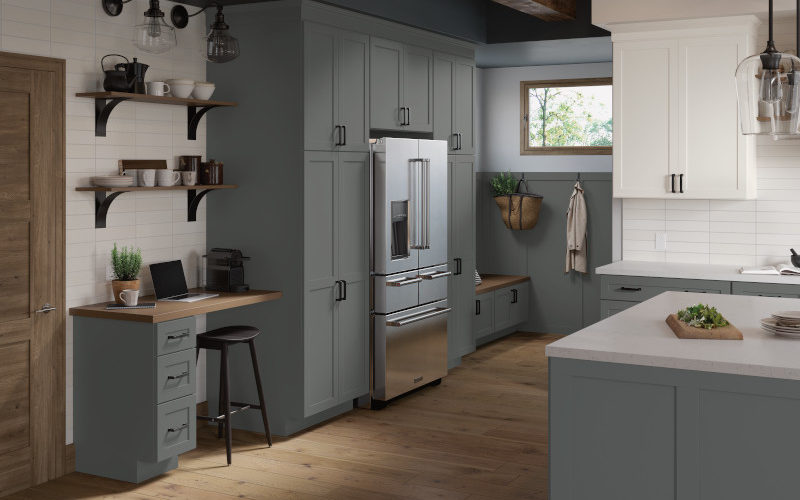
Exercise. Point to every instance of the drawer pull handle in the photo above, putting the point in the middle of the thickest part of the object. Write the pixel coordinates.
(179, 376)
(176, 337)
(433, 276)
(629, 289)
(178, 429)
(404, 281)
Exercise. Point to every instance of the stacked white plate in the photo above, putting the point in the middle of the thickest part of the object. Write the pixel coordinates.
(786, 323)
(113, 181)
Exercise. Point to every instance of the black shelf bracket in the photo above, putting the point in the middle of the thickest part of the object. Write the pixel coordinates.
(193, 201)
(193, 119)
(102, 202)
(102, 110)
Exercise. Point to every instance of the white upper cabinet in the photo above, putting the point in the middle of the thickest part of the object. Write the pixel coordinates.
(676, 125)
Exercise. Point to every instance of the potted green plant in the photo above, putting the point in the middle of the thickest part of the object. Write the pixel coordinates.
(126, 263)
(518, 210)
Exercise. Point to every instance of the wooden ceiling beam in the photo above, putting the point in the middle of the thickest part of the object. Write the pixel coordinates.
(547, 10)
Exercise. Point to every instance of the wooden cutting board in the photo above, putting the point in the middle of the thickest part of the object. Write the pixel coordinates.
(684, 331)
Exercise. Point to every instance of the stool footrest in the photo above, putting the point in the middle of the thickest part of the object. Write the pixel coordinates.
(221, 418)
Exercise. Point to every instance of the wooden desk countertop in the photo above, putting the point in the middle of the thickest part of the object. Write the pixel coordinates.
(491, 282)
(168, 310)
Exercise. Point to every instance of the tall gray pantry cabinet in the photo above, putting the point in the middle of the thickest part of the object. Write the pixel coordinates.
(298, 147)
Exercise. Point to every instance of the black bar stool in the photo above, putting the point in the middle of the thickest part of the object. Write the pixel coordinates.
(221, 339)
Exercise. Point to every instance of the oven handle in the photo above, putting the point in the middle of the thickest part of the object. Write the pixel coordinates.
(413, 319)
(404, 281)
(433, 276)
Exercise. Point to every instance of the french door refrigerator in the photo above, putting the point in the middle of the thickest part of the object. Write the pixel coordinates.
(409, 266)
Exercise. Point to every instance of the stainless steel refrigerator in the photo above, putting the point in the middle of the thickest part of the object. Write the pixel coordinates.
(409, 265)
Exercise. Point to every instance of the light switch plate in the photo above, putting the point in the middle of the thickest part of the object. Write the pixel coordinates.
(661, 242)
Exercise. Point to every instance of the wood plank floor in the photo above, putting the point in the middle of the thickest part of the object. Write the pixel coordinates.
(481, 434)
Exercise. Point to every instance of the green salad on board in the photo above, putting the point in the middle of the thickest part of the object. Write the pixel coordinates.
(702, 316)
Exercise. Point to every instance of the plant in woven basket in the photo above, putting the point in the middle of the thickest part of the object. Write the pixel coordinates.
(518, 210)
(503, 184)
(126, 264)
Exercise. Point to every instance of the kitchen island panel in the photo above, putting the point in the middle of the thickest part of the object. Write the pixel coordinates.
(622, 431)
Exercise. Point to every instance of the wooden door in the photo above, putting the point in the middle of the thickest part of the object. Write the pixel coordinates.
(418, 88)
(353, 70)
(645, 118)
(321, 269)
(32, 344)
(385, 86)
(463, 105)
(443, 77)
(321, 88)
(353, 256)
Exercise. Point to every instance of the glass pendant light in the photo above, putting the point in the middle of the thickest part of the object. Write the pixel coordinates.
(221, 47)
(154, 35)
(768, 90)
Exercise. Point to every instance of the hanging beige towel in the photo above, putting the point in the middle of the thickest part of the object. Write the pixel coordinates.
(576, 231)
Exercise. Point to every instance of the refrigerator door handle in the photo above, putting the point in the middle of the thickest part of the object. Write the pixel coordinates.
(420, 317)
(426, 199)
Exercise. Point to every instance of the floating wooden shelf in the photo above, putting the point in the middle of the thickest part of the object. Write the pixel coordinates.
(105, 102)
(103, 200)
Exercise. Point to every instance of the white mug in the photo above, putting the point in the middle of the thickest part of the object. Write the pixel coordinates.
(168, 177)
(157, 88)
(129, 297)
(147, 177)
(189, 178)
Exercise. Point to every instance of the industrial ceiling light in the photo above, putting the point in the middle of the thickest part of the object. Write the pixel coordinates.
(154, 35)
(768, 90)
(221, 47)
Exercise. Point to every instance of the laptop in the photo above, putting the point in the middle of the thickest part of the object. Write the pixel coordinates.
(170, 283)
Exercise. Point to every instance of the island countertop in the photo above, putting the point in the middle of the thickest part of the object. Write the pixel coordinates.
(169, 310)
(640, 336)
(713, 272)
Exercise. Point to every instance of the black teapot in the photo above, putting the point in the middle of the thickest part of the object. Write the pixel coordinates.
(125, 77)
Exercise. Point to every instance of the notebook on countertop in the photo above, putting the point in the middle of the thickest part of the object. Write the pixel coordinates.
(140, 305)
(779, 270)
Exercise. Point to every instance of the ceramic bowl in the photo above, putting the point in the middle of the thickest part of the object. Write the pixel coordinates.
(181, 88)
(203, 90)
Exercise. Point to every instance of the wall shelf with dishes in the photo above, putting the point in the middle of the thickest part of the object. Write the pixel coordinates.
(105, 102)
(104, 196)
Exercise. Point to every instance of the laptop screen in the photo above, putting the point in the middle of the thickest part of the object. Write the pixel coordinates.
(168, 279)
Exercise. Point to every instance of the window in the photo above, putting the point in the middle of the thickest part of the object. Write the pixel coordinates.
(566, 117)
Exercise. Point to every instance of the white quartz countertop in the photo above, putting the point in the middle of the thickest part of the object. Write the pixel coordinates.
(690, 271)
(640, 336)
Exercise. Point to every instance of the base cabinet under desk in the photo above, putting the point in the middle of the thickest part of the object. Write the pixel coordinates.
(497, 312)
(134, 396)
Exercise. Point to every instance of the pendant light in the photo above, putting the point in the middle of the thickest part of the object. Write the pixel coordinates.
(154, 35)
(768, 90)
(221, 47)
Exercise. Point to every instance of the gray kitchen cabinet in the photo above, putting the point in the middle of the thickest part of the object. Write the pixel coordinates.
(497, 312)
(139, 377)
(615, 291)
(483, 324)
(611, 307)
(461, 246)
(336, 65)
(453, 101)
(333, 66)
(401, 86)
(336, 333)
(765, 289)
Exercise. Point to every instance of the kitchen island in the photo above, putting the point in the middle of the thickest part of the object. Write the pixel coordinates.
(636, 413)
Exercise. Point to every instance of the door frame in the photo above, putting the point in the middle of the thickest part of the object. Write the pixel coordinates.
(48, 427)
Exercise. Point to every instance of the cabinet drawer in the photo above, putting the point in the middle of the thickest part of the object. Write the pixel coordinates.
(175, 427)
(402, 292)
(611, 307)
(638, 289)
(765, 289)
(175, 375)
(175, 335)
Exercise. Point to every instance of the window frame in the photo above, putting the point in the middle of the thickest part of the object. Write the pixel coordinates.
(525, 148)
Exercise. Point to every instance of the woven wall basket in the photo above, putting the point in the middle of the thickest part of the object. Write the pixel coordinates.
(520, 210)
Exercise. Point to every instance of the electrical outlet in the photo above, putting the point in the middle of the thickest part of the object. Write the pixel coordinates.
(661, 242)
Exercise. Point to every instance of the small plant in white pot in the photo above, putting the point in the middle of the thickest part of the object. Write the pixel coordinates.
(126, 263)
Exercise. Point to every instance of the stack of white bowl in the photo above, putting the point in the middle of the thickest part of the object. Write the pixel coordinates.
(189, 88)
